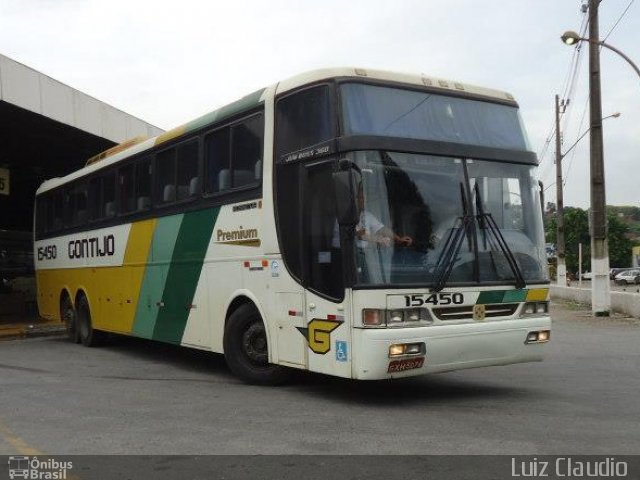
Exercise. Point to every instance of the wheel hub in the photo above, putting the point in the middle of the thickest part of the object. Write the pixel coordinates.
(254, 342)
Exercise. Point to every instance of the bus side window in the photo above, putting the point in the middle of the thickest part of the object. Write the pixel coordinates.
(42, 214)
(188, 184)
(126, 185)
(246, 147)
(80, 212)
(143, 184)
(166, 176)
(95, 198)
(57, 211)
(304, 119)
(109, 195)
(68, 205)
(217, 159)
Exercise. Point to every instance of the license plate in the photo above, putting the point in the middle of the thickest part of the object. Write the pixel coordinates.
(396, 366)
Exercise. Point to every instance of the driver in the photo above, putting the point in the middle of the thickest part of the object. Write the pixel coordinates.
(371, 230)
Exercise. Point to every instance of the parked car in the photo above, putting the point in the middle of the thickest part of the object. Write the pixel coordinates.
(615, 271)
(587, 275)
(628, 276)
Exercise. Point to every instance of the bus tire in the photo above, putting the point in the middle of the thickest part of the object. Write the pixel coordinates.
(68, 316)
(246, 349)
(89, 337)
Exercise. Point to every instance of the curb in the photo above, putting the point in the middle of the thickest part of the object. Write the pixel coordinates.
(20, 331)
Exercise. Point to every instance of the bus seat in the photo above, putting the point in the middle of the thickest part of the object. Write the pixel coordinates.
(194, 186)
(82, 216)
(224, 179)
(240, 177)
(110, 209)
(144, 203)
(243, 177)
(169, 193)
(183, 192)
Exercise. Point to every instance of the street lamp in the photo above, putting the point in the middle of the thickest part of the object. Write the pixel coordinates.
(600, 288)
(571, 38)
(613, 115)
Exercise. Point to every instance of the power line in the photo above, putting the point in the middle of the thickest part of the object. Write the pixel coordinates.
(566, 175)
(569, 86)
(618, 21)
(573, 154)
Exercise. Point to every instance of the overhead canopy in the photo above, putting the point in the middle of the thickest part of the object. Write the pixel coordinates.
(48, 129)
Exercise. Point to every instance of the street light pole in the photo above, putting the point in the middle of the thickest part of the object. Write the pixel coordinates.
(571, 38)
(561, 266)
(600, 288)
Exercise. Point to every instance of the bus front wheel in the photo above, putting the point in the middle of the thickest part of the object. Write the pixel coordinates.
(89, 337)
(246, 350)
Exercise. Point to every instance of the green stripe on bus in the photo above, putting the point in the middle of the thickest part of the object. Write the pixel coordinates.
(183, 275)
(515, 296)
(245, 103)
(502, 296)
(495, 296)
(158, 263)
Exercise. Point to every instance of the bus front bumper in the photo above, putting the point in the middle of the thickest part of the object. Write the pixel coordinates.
(446, 347)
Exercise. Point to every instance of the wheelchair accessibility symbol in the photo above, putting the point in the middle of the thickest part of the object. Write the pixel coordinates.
(341, 351)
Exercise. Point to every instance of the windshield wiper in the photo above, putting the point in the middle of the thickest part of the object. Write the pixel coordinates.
(487, 222)
(452, 245)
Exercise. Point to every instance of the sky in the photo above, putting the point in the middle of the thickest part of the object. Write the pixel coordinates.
(169, 62)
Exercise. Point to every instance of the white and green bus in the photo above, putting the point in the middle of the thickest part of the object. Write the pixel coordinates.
(357, 223)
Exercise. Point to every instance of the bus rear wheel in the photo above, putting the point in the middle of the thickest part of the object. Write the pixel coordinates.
(246, 349)
(89, 337)
(68, 315)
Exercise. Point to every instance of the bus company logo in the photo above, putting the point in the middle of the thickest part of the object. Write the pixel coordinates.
(35, 469)
(92, 247)
(479, 311)
(318, 334)
(242, 237)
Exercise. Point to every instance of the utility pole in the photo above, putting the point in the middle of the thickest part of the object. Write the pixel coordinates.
(600, 288)
(561, 267)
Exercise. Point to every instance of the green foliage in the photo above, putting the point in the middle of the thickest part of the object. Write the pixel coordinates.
(576, 224)
(576, 231)
(630, 213)
(619, 245)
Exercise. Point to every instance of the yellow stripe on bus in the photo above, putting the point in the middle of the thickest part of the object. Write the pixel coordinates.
(112, 291)
(119, 287)
(171, 134)
(538, 295)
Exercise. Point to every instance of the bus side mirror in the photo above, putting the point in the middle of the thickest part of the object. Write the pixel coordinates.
(346, 193)
(541, 185)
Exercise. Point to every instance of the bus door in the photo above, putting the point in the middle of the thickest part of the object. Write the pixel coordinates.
(327, 332)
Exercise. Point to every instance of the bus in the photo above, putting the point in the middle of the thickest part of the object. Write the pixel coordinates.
(356, 223)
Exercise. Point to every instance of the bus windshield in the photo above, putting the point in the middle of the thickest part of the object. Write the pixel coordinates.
(396, 112)
(414, 206)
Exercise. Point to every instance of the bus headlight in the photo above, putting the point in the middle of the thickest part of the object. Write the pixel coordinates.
(535, 308)
(402, 349)
(395, 316)
(374, 317)
(541, 336)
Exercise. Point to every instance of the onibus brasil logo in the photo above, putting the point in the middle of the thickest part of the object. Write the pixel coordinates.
(33, 468)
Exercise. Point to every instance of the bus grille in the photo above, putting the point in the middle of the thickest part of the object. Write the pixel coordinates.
(466, 313)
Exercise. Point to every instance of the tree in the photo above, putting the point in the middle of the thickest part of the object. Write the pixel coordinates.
(619, 244)
(576, 231)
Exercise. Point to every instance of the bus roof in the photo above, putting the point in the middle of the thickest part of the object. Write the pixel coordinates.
(256, 98)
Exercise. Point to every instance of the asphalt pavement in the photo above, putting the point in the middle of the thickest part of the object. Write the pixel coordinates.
(139, 397)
